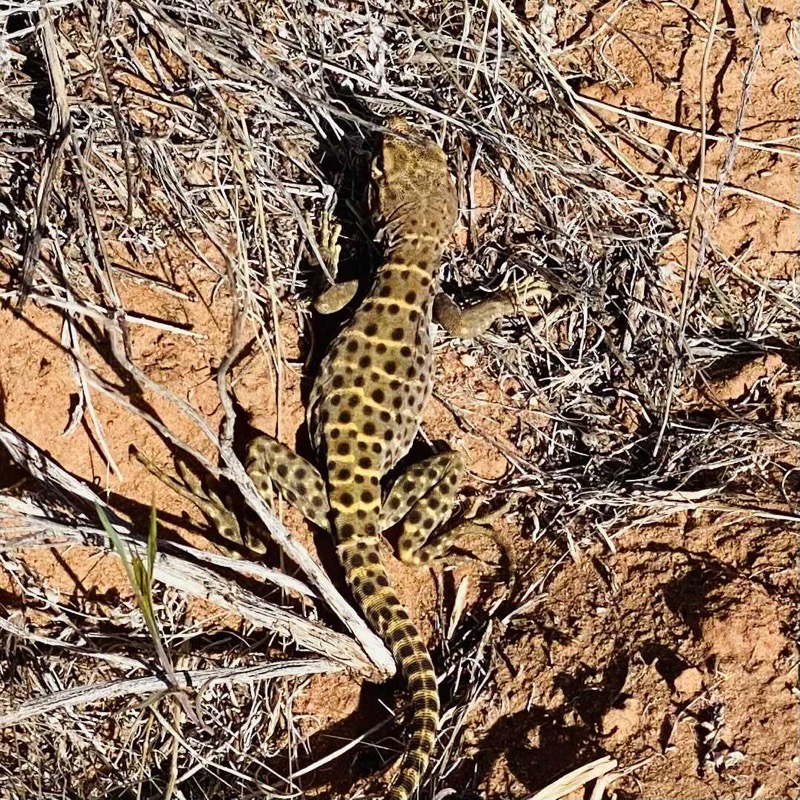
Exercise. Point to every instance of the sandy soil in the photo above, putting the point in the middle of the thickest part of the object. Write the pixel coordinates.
(674, 653)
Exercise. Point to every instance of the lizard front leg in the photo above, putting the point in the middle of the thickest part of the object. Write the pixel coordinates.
(473, 321)
(337, 295)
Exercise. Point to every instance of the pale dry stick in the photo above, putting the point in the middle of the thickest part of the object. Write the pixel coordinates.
(622, 33)
(241, 278)
(792, 308)
(71, 343)
(576, 780)
(606, 21)
(115, 659)
(747, 80)
(733, 141)
(728, 188)
(689, 278)
(98, 242)
(750, 144)
(194, 579)
(672, 385)
(185, 679)
(252, 569)
(667, 508)
(480, 55)
(345, 748)
(92, 311)
(124, 143)
(54, 157)
(199, 582)
(693, 15)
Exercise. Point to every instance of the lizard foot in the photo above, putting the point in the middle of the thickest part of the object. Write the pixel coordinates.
(337, 295)
(482, 524)
(468, 323)
(191, 487)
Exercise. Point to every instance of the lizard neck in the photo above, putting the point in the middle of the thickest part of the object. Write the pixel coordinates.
(410, 265)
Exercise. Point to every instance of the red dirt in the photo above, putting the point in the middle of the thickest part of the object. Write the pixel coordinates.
(683, 634)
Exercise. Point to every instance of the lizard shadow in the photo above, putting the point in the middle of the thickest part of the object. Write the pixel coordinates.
(539, 746)
(365, 764)
(344, 161)
(543, 743)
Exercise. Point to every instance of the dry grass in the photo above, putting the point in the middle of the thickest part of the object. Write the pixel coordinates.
(131, 124)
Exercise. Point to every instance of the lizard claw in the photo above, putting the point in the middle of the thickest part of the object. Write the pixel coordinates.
(530, 295)
(336, 295)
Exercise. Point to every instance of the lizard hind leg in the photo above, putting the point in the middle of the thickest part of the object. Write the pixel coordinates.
(272, 464)
(191, 488)
(424, 499)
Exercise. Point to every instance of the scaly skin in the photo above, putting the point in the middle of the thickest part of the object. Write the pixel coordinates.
(364, 413)
(367, 401)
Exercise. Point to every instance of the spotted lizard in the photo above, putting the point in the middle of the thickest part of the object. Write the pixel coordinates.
(364, 414)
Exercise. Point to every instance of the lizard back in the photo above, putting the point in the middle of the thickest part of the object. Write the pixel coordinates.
(366, 405)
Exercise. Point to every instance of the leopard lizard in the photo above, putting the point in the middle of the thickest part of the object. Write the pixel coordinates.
(364, 413)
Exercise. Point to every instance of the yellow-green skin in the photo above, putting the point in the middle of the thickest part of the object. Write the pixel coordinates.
(367, 402)
(364, 413)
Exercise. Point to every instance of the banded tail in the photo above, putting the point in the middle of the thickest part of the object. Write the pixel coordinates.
(358, 551)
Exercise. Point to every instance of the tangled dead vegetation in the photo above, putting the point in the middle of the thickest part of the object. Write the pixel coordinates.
(134, 131)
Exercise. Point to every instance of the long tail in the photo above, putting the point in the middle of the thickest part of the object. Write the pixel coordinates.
(367, 578)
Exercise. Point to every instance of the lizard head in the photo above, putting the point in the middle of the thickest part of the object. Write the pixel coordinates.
(413, 190)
